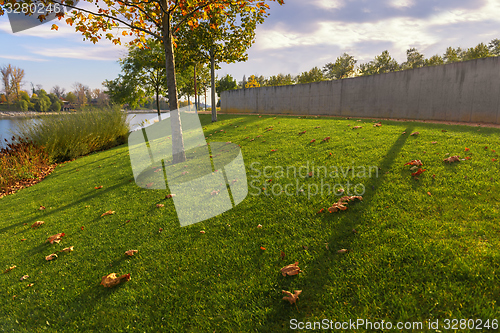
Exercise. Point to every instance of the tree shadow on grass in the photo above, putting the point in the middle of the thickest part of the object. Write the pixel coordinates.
(344, 236)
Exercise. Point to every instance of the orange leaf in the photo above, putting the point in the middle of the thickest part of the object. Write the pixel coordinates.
(54, 27)
(160, 205)
(131, 252)
(292, 269)
(37, 224)
(112, 280)
(466, 149)
(51, 256)
(377, 124)
(313, 140)
(202, 231)
(356, 127)
(42, 207)
(9, 269)
(55, 238)
(415, 162)
(419, 171)
(98, 187)
(292, 298)
(109, 212)
(429, 193)
(262, 248)
(415, 133)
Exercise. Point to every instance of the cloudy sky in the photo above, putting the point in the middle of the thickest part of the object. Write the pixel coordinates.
(295, 37)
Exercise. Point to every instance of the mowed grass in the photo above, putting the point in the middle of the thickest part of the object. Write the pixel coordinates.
(415, 256)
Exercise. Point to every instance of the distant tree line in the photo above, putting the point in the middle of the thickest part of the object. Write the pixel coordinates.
(14, 98)
(345, 66)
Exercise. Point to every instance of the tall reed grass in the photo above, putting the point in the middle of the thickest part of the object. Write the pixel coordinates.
(21, 160)
(67, 136)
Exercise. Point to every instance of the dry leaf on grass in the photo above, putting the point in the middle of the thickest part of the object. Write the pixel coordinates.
(9, 269)
(42, 207)
(24, 277)
(202, 231)
(415, 162)
(377, 124)
(340, 205)
(67, 249)
(313, 140)
(55, 238)
(109, 212)
(418, 172)
(415, 133)
(131, 252)
(160, 205)
(37, 224)
(169, 196)
(112, 280)
(51, 257)
(30, 285)
(342, 251)
(452, 159)
(259, 226)
(292, 298)
(98, 187)
(356, 127)
(292, 269)
(282, 255)
(326, 139)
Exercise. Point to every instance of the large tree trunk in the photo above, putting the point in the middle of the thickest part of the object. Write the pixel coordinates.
(158, 104)
(212, 74)
(178, 153)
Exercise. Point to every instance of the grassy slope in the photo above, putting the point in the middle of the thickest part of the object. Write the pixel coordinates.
(415, 256)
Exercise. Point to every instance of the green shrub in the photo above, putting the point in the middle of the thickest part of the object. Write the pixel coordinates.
(22, 105)
(67, 136)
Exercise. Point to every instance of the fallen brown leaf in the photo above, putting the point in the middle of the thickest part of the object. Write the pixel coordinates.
(259, 226)
(377, 124)
(24, 277)
(415, 133)
(131, 252)
(282, 255)
(67, 249)
(51, 256)
(42, 207)
(30, 284)
(9, 269)
(98, 187)
(292, 269)
(292, 298)
(452, 159)
(112, 280)
(37, 224)
(55, 238)
(356, 127)
(202, 231)
(342, 251)
(109, 212)
(169, 196)
(160, 205)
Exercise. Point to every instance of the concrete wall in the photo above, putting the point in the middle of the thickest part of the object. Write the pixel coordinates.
(464, 91)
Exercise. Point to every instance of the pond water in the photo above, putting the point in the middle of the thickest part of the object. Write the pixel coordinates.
(10, 124)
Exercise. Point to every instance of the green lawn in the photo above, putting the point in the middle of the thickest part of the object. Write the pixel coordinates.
(423, 250)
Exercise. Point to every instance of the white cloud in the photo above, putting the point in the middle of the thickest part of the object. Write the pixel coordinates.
(402, 32)
(329, 4)
(92, 52)
(401, 3)
(22, 57)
